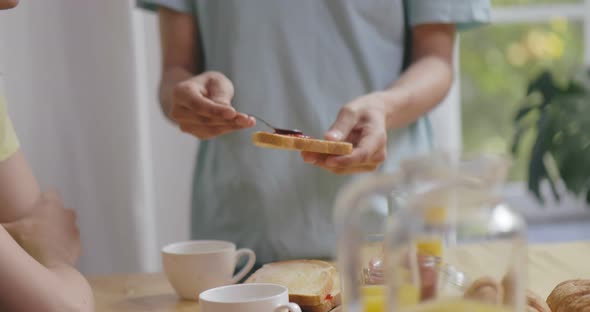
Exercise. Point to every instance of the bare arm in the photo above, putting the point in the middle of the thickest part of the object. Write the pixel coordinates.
(365, 120)
(199, 102)
(180, 50)
(26, 285)
(18, 188)
(427, 81)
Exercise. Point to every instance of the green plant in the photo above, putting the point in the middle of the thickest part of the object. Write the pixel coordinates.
(559, 115)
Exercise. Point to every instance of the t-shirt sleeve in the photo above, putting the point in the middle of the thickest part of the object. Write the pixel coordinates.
(185, 6)
(463, 13)
(8, 140)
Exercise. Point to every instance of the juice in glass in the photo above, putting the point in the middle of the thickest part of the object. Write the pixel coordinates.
(374, 297)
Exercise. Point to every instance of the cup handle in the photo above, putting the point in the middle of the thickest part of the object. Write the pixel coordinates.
(293, 307)
(249, 265)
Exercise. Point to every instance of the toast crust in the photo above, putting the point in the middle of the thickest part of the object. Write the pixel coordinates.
(328, 305)
(302, 299)
(324, 307)
(287, 142)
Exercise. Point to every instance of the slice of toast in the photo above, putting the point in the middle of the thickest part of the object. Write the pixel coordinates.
(289, 142)
(334, 300)
(310, 282)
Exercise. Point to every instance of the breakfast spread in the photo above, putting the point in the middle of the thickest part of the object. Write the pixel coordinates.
(300, 142)
(314, 285)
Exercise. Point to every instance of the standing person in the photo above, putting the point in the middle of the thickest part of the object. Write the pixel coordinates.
(39, 240)
(316, 65)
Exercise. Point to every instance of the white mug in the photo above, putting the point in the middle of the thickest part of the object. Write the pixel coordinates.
(195, 266)
(247, 298)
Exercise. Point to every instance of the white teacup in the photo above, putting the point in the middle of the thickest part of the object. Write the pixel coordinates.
(247, 298)
(195, 266)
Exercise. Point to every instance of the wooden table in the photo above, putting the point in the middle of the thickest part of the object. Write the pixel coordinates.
(549, 265)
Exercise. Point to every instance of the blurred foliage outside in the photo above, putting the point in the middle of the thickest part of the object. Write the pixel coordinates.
(497, 64)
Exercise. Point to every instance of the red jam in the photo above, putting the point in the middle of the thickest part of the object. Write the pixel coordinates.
(329, 297)
(293, 133)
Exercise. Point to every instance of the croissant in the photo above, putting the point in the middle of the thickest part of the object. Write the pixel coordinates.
(485, 289)
(570, 296)
(535, 303)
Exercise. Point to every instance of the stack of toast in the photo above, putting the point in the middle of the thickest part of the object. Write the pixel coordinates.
(314, 285)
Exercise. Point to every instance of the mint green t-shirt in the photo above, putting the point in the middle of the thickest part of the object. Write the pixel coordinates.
(296, 63)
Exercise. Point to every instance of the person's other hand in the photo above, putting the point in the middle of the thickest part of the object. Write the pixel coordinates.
(361, 122)
(202, 106)
(49, 234)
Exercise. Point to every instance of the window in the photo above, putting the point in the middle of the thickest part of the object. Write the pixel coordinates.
(498, 61)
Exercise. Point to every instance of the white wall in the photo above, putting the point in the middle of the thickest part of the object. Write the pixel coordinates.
(172, 152)
(84, 106)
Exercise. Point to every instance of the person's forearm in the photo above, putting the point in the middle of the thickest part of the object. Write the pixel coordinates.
(26, 285)
(18, 188)
(77, 293)
(170, 78)
(428, 80)
(181, 52)
(423, 86)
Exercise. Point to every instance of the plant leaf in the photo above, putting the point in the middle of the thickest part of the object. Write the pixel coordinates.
(570, 121)
(545, 85)
(517, 138)
(553, 188)
(563, 132)
(523, 111)
(551, 167)
(537, 170)
(574, 88)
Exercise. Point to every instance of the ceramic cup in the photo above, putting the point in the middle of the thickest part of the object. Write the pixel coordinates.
(247, 298)
(195, 266)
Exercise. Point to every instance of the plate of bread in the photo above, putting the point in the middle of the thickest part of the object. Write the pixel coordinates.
(300, 143)
(313, 284)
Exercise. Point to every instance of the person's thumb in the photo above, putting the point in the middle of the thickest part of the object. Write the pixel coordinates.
(220, 89)
(343, 125)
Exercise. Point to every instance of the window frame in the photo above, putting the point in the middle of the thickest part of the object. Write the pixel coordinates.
(532, 13)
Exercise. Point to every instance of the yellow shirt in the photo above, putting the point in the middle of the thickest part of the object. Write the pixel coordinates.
(8, 140)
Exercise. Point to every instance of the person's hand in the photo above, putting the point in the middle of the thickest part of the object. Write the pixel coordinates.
(361, 122)
(202, 106)
(49, 234)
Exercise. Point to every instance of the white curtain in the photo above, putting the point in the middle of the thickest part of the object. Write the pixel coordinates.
(80, 78)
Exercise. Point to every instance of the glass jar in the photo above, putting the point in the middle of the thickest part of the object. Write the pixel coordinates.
(435, 236)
